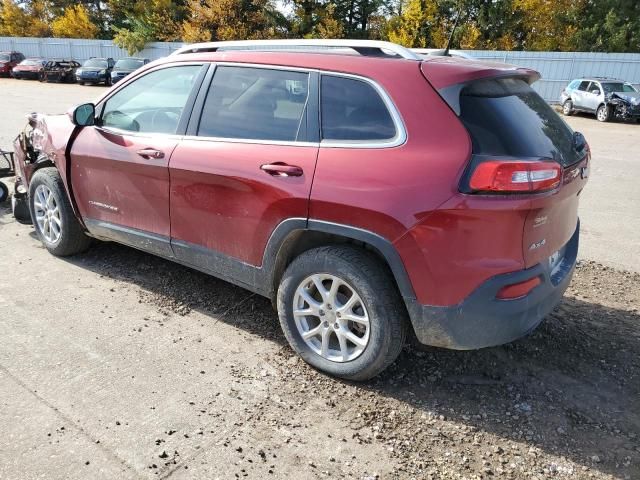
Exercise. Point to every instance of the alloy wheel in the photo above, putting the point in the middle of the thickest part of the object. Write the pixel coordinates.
(331, 317)
(47, 214)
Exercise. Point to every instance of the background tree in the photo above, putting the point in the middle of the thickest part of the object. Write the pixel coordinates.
(24, 19)
(232, 20)
(74, 23)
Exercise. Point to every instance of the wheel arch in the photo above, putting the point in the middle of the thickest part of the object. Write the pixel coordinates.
(295, 236)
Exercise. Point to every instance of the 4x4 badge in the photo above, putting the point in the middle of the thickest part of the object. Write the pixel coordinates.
(584, 172)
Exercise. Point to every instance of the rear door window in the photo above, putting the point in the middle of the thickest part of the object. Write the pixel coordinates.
(584, 85)
(255, 104)
(594, 86)
(352, 110)
(506, 117)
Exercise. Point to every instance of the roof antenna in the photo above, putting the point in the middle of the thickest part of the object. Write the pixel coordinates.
(453, 30)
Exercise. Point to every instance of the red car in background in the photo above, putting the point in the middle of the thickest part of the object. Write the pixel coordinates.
(29, 68)
(8, 60)
(369, 192)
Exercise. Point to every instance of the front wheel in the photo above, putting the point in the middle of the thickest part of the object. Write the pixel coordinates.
(54, 219)
(567, 108)
(603, 114)
(341, 312)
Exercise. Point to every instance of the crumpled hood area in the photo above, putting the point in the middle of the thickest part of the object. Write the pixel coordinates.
(631, 97)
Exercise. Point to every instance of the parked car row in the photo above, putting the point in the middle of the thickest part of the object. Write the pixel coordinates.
(93, 71)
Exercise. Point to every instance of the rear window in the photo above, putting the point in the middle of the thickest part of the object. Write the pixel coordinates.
(506, 117)
(96, 63)
(129, 63)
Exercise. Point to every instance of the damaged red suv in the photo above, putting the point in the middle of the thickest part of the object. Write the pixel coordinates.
(369, 192)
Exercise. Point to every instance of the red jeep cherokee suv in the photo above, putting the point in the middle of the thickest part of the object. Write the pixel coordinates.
(367, 191)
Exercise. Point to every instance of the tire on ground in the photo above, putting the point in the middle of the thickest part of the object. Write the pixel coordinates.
(72, 238)
(567, 108)
(374, 284)
(4, 192)
(20, 209)
(603, 114)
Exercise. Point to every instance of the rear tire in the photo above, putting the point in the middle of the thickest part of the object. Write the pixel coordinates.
(365, 328)
(603, 114)
(567, 108)
(53, 218)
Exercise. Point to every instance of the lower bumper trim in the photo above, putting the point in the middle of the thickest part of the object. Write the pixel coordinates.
(481, 320)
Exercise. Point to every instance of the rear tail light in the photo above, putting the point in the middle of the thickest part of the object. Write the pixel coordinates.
(517, 290)
(514, 176)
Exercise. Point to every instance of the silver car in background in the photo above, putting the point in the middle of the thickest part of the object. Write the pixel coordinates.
(607, 98)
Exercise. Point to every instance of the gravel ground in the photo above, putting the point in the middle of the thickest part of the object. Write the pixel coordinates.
(221, 394)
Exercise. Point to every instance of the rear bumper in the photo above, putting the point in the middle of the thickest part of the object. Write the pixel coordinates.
(481, 320)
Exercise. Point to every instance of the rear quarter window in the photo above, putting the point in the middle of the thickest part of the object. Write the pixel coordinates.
(352, 110)
(506, 117)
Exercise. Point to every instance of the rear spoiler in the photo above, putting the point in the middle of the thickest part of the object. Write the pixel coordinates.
(449, 76)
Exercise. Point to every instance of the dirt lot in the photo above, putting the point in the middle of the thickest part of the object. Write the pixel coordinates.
(117, 364)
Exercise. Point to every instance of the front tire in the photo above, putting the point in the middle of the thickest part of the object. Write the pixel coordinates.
(567, 108)
(53, 218)
(603, 114)
(341, 312)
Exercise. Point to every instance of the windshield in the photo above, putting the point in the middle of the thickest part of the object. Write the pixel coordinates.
(95, 62)
(31, 62)
(129, 63)
(4, 57)
(507, 117)
(610, 87)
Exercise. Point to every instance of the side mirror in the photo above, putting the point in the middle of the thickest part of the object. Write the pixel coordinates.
(595, 91)
(84, 115)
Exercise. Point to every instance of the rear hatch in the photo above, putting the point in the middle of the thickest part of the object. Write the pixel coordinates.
(509, 123)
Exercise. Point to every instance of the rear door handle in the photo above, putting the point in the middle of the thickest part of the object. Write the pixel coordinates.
(149, 153)
(280, 169)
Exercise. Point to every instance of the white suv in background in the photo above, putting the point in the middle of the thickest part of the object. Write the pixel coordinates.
(605, 97)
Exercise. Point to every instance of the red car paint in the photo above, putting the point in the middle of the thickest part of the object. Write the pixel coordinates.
(12, 59)
(214, 194)
(27, 70)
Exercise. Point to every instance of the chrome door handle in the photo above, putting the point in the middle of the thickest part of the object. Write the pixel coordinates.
(149, 153)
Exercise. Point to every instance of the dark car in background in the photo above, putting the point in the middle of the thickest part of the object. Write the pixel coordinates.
(95, 70)
(61, 71)
(125, 66)
(29, 68)
(8, 60)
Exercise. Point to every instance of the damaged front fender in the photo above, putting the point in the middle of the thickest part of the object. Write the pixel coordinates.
(624, 106)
